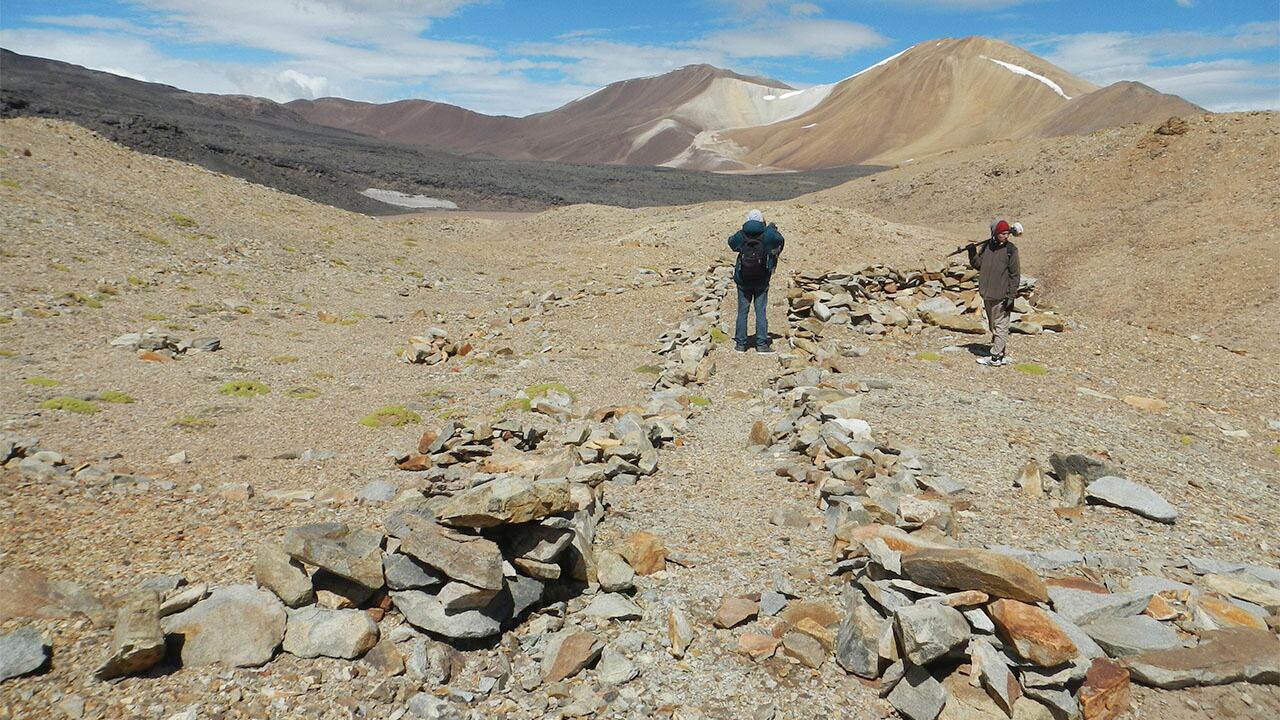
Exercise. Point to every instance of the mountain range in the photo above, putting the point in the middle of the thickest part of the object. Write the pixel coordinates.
(932, 97)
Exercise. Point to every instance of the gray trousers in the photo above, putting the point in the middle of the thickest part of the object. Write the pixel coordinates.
(998, 321)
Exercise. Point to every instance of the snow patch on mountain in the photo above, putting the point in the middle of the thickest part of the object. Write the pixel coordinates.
(1019, 70)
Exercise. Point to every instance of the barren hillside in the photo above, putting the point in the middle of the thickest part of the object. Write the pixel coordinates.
(1173, 231)
(574, 399)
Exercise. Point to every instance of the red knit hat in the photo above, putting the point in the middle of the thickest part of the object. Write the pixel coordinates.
(1001, 227)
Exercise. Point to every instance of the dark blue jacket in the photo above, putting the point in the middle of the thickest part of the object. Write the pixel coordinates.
(769, 236)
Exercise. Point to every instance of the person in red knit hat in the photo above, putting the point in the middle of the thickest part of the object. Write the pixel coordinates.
(999, 276)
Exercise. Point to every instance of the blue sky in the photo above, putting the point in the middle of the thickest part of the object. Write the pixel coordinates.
(522, 56)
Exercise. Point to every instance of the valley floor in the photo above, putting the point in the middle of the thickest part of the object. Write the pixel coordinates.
(315, 303)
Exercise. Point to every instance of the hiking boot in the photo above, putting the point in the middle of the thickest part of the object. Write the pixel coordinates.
(1004, 360)
(766, 349)
(740, 348)
(988, 360)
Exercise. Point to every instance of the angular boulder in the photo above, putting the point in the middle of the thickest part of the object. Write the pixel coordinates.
(996, 574)
(471, 559)
(352, 553)
(22, 652)
(1222, 657)
(274, 570)
(1105, 693)
(428, 613)
(568, 652)
(315, 632)
(928, 631)
(237, 626)
(137, 643)
(507, 499)
(1034, 636)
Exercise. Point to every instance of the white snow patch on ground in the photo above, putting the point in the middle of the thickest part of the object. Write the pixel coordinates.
(810, 125)
(399, 199)
(770, 97)
(1019, 70)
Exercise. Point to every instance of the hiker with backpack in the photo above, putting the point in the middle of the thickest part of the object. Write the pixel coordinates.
(758, 246)
(999, 276)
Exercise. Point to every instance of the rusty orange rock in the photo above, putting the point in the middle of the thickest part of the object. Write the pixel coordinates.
(735, 611)
(757, 646)
(644, 552)
(1105, 693)
(1032, 633)
(1226, 614)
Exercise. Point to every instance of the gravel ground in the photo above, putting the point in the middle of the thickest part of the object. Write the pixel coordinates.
(69, 227)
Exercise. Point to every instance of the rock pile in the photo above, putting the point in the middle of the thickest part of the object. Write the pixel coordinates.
(878, 300)
(154, 343)
(688, 346)
(433, 348)
(958, 632)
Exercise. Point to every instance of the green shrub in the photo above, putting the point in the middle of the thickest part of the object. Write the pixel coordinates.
(928, 356)
(153, 316)
(1031, 369)
(69, 404)
(285, 359)
(699, 400)
(155, 239)
(194, 423)
(11, 183)
(302, 393)
(243, 388)
(391, 416)
(718, 335)
(181, 220)
(115, 396)
(649, 370)
(42, 381)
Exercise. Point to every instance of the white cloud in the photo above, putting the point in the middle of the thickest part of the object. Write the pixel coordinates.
(796, 37)
(1181, 63)
(1185, 3)
(804, 9)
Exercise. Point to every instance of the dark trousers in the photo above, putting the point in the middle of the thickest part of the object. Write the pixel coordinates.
(759, 298)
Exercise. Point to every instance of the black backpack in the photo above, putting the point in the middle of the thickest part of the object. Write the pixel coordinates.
(753, 262)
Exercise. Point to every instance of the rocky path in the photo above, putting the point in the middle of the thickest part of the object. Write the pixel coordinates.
(714, 505)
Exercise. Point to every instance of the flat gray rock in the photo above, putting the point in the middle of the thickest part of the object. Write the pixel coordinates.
(428, 613)
(772, 603)
(614, 668)
(918, 695)
(378, 491)
(612, 606)
(237, 626)
(1129, 495)
(317, 632)
(22, 652)
(1083, 607)
(1132, 635)
(1222, 657)
(404, 573)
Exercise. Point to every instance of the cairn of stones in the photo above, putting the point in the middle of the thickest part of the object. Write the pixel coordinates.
(158, 342)
(688, 346)
(433, 348)
(956, 632)
(506, 526)
(878, 300)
